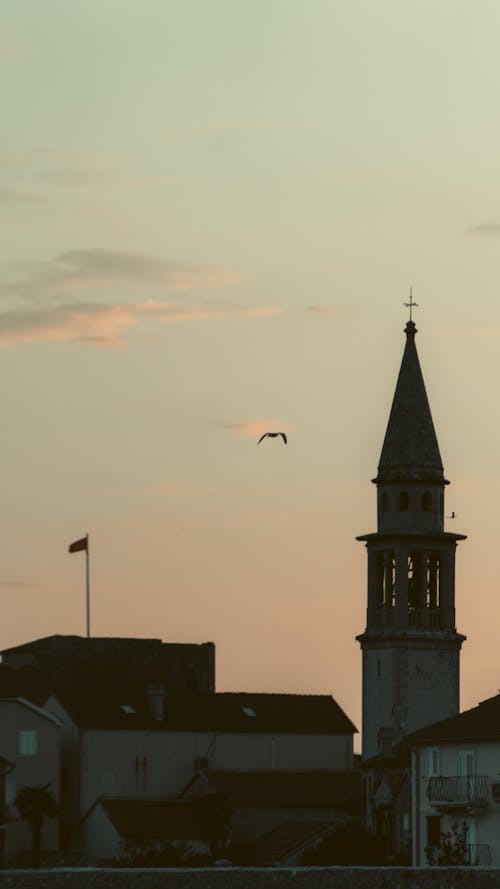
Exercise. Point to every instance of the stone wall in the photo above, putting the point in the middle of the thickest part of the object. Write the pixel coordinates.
(254, 878)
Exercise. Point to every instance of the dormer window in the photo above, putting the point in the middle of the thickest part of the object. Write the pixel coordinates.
(404, 501)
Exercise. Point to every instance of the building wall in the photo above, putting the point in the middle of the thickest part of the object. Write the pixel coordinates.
(42, 768)
(161, 763)
(181, 666)
(485, 829)
(100, 837)
(406, 688)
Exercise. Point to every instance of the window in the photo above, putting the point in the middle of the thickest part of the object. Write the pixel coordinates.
(383, 502)
(433, 830)
(404, 501)
(466, 762)
(249, 711)
(426, 501)
(432, 762)
(127, 708)
(28, 743)
(10, 789)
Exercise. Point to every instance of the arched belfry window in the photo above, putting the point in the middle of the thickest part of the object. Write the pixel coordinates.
(426, 501)
(404, 501)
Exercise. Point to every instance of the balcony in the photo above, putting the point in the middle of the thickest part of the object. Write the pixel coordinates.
(475, 855)
(460, 792)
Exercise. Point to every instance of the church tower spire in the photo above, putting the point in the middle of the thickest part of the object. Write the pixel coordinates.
(410, 646)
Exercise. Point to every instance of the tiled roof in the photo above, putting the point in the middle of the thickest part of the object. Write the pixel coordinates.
(479, 723)
(153, 819)
(335, 790)
(410, 449)
(287, 839)
(128, 706)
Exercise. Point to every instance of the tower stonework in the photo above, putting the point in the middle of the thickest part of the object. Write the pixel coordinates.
(410, 647)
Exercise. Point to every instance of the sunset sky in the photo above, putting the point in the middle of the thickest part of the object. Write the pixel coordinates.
(213, 211)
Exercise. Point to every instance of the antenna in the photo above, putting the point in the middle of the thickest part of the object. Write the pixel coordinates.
(411, 304)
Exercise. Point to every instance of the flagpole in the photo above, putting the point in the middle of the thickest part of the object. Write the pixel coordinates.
(87, 585)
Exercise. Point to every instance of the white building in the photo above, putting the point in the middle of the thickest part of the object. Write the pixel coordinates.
(456, 789)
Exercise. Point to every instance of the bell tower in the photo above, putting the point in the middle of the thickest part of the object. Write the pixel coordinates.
(410, 647)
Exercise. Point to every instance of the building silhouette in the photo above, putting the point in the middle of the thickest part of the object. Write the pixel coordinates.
(410, 647)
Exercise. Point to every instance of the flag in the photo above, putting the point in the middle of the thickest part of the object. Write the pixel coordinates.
(78, 545)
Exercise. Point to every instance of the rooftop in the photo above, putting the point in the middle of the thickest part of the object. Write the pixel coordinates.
(478, 723)
(128, 706)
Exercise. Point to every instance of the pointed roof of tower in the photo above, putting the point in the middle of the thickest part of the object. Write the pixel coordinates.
(410, 450)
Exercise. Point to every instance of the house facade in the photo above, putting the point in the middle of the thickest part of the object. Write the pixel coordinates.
(30, 739)
(456, 789)
(122, 743)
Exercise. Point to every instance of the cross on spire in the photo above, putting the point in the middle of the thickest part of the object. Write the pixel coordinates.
(411, 304)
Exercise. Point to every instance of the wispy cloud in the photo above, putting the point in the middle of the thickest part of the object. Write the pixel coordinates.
(490, 229)
(471, 330)
(96, 323)
(88, 295)
(337, 311)
(93, 178)
(255, 428)
(97, 269)
(11, 49)
(18, 196)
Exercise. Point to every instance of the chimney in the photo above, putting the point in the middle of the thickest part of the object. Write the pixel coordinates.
(157, 693)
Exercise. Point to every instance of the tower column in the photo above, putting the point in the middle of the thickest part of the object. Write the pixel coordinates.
(410, 646)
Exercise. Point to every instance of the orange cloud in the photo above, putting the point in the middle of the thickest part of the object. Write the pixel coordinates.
(102, 324)
(338, 311)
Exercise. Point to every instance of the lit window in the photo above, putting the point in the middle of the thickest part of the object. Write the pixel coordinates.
(28, 743)
(249, 711)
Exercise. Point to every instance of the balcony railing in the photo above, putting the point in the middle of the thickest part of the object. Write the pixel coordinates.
(461, 790)
(475, 855)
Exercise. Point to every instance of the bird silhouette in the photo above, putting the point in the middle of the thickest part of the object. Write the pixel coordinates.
(272, 435)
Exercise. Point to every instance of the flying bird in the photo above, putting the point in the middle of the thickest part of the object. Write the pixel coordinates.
(272, 435)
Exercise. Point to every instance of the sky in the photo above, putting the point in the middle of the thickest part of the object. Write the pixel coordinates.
(213, 211)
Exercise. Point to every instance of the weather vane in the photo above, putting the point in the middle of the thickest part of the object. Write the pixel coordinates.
(411, 304)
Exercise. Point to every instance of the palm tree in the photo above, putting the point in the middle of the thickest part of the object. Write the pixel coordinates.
(33, 805)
